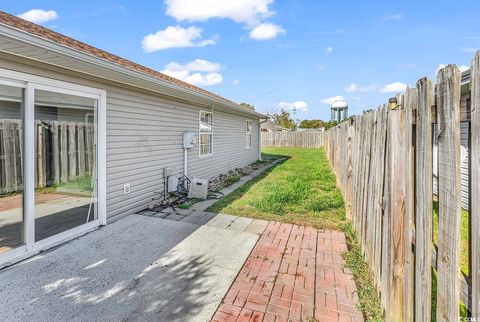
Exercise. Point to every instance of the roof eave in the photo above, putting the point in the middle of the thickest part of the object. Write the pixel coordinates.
(164, 87)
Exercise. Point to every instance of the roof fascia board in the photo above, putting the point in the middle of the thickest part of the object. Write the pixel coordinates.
(165, 87)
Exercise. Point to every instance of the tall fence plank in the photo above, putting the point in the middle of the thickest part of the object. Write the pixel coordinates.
(448, 115)
(424, 200)
(398, 157)
(392, 187)
(474, 182)
(409, 102)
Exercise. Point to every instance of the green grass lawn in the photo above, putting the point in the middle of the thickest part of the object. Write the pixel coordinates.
(464, 236)
(80, 186)
(302, 190)
(464, 255)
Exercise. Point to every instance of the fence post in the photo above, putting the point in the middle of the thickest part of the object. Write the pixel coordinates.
(448, 115)
(424, 201)
(474, 180)
(378, 197)
(350, 169)
(409, 104)
(398, 157)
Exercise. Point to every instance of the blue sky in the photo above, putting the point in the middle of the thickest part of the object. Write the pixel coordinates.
(277, 53)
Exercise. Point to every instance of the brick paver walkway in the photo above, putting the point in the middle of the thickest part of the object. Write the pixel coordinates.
(294, 273)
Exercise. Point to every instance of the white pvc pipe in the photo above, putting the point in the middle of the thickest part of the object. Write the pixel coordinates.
(185, 171)
(185, 166)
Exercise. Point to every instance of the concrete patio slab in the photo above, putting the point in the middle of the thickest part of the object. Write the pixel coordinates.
(222, 221)
(138, 268)
(257, 226)
(240, 224)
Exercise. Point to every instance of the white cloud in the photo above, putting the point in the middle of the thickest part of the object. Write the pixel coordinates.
(266, 31)
(329, 50)
(198, 72)
(330, 100)
(175, 37)
(202, 65)
(392, 17)
(352, 88)
(236, 82)
(298, 105)
(39, 15)
(462, 68)
(250, 12)
(253, 13)
(394, 87)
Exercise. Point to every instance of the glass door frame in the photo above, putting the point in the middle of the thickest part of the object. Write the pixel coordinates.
(30, 83)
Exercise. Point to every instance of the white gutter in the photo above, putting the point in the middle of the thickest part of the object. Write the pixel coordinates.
(165, 87)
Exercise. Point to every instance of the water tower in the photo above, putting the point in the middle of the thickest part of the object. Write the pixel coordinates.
(339, 110)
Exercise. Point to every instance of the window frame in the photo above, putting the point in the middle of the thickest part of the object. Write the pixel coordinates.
(200, 133)
(248, 135)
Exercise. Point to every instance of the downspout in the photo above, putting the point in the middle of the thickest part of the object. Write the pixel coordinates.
(185, 167)
(260, 138)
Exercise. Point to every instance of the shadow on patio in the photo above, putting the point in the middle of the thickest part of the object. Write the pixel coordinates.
(139, 268)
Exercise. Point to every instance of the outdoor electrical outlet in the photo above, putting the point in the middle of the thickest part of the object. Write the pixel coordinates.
(126, 189)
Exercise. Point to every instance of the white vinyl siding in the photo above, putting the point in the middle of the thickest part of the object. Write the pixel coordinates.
(144, 136)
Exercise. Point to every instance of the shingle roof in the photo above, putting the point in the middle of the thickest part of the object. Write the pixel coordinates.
(58, 38)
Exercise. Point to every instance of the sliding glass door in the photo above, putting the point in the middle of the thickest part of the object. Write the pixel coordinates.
(52, 162)
(65, 162)
(11, 168)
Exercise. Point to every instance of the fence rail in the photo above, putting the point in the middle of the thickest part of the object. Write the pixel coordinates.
(383, 160)
(305, 139)
(64, 151)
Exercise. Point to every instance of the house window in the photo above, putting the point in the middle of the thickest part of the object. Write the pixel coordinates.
(206, 133)
(248, 143)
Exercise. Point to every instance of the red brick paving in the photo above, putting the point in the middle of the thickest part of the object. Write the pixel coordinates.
(294, 273)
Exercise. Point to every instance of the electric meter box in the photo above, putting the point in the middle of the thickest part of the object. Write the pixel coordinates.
(172, 184)
(198, 188)
(189, 139)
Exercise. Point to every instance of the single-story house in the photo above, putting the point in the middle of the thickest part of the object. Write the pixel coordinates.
(270, 126)
(86, 136)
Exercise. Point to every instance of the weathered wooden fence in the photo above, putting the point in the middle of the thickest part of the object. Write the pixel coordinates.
(384, 165)
(64, 151)
(304, 139)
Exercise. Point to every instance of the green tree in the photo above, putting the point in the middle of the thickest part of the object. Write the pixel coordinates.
(330, 124)
(284, 119)
(311, 124)
(250, 106)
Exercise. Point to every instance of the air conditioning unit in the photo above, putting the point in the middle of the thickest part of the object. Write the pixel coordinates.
(198, 188)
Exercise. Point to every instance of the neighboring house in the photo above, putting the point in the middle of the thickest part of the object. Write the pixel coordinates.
(86, 136)
(270, 126)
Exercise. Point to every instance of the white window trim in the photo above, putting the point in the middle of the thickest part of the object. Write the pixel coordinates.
(30, 83)
(200, 133)
(248, 135)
